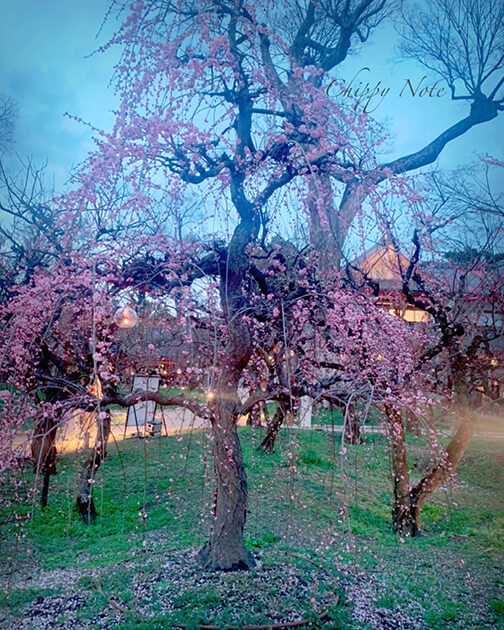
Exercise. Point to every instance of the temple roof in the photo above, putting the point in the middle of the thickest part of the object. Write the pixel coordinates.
(383, 264)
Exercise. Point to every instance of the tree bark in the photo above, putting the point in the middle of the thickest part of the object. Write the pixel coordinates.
(327, 234)
(84, 498)
(225, 549)
(273, 427)
(440, 472)
(352, 428)
(455, 450)
(44, 453)
(402, 516)
(408, 502)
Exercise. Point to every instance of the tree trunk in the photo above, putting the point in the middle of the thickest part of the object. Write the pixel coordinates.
(455, 450)
(84, 498)
(273, 427)
(326, 233)
(408, 502)
(44, 453)
(403, 521)
(439, 473)
(352, 428)
(225, 549)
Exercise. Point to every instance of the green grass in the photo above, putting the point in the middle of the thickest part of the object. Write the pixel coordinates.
(334, 417)
(308, 506)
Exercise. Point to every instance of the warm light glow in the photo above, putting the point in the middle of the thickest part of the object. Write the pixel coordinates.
(412, 315)
(494, 362)
(126, 317)
(179, 371)
(210, 395)
(415, 316)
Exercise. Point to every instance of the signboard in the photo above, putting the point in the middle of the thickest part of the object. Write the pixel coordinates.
(305, 412)
(145, 410)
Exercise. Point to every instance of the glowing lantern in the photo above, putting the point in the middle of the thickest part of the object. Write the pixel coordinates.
(125, 317)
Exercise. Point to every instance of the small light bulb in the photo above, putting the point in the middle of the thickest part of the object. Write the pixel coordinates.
(210, 395)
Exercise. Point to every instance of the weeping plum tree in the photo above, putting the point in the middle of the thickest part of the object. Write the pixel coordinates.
(213, 97)
(454, 275)
(30, 245)
(229, 98)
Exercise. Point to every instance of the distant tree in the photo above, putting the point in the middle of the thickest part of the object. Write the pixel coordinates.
(463, 42)
(29, 243)
(28, 225)
(8, 114)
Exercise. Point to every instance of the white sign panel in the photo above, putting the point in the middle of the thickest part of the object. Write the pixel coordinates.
(143, 411)
(305, 412)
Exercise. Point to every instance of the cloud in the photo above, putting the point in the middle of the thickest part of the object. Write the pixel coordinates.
(43, 65)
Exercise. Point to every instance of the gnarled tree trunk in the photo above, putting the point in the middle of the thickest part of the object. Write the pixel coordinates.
(254, 417)
(408, 502)
(441, 471)
(412, 423)
(225, 548)
(455, 450)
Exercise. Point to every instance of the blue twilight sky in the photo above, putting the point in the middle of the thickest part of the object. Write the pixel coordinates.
(45, 65)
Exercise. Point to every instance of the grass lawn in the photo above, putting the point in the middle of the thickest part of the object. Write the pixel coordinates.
(318, 524)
